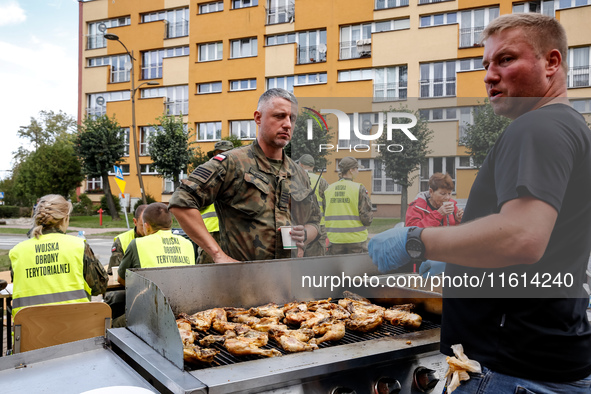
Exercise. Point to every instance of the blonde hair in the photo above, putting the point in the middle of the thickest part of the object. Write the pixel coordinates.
(543, 32)
(51, 211)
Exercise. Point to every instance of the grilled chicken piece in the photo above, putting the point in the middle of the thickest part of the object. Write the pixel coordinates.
(302, 334)
(365, 322)
(402, 315)
(211, 339)
(314, 318)
(335, 331)
(355, 306)
(290, 343)
(222, 327)
(241, 315)
(356, 297)
(268, 310)
(250, 343)
(329, 308)
(188, 336)
(267, 323)
(195, 354)
(202, 321)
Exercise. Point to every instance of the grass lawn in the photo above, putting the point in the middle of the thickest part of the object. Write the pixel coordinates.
(94, 221)
(4, 260)
(5, 230)
(382, 224)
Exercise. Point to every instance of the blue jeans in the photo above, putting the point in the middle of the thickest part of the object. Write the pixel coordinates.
(490, 382)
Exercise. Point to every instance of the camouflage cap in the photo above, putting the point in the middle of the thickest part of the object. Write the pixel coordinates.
(348, 163)
(307, 160)
(223, 145)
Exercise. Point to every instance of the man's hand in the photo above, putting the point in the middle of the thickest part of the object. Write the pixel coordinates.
(388, 249)
(221, 257)
(431, 268)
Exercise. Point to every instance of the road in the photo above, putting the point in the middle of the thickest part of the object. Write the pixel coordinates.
(100, 246)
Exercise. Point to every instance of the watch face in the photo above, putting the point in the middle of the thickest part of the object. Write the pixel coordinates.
(414, 247)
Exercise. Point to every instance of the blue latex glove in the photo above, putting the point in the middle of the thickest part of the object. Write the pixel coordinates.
(388, 249)
(431, 268)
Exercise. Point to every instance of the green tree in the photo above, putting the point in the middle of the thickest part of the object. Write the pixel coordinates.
(300, 144)
(100, 144)
(170, 147)
(48, 128)
(480, 136)
(51, 169)
(404, 155)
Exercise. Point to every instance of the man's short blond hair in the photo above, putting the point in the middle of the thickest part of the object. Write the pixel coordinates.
(543, 32)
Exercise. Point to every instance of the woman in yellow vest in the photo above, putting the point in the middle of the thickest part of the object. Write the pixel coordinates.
(52, 267)
(348, 211)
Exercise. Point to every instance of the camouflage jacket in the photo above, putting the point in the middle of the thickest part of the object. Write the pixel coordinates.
(252, 200)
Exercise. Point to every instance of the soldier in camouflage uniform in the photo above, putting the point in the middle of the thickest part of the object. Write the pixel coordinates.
(52, 215)
(256, 189)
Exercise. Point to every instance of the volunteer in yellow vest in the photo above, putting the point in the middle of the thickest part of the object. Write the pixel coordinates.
(121, 242)
(348, 211)
(208, 213)
(159, 247)
(52, 267)
(317, 248)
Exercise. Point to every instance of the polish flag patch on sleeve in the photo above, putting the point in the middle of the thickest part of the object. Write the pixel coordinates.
(219, 157)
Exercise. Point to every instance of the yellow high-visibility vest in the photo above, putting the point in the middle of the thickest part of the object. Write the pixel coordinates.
(210, 218)
(314, 181)
(125, 238)
(163, 249)
(48, 270)
(343, 225)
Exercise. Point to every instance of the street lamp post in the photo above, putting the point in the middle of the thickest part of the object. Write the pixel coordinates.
(115, 37)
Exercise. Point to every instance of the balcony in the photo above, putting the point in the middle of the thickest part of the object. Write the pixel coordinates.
(177, 29)
(355, 49)
(94, 41)
(282, 14)
(389, 92)
(578, 77)
(470, 37)
(178, 107)
(311, 54)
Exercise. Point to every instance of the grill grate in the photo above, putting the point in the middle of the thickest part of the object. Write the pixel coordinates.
(383, 331)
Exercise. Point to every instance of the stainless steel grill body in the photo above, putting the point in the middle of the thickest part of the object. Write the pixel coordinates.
(156, 296)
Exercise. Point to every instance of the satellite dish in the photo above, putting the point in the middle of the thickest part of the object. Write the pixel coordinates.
(100, 100)
(102, 27)
(322, 48)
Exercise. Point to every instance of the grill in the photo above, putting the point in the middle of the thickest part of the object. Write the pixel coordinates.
(358, 363)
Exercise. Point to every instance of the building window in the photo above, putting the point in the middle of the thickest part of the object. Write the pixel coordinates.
(207, 8)
(382, 184)
(243, 129)
(281, 82)
(280, 39)
(118, 70)
(385, 4)
(562, 4)
(582, 105)
(360, 74)
(177, 21)
(152, 61)
(125, 132)
(355, 41)
(280, 11)
(431, 1)
(96, 37)
(243, 84)
(472, 24)
(311, 46)
(148, 169)
(209, 131)
(124, 170)
(97, 102)
(211, 51)
(390, 83)
(471, 64)
(530, 6)
(448, 18)
(176, 98)
(438, 79)
(310, 79)
(580, 62)
(244, 3)
(210, 87)
(245, 47)
(94, 184)
(437, 164)
(365, 123)
(145, 133)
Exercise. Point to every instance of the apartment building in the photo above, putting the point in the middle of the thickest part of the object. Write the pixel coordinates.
(211, 60)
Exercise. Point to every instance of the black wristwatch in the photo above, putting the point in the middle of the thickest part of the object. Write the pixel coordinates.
(414, 246)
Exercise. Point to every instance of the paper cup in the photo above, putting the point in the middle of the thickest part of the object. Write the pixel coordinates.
(288, 243)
